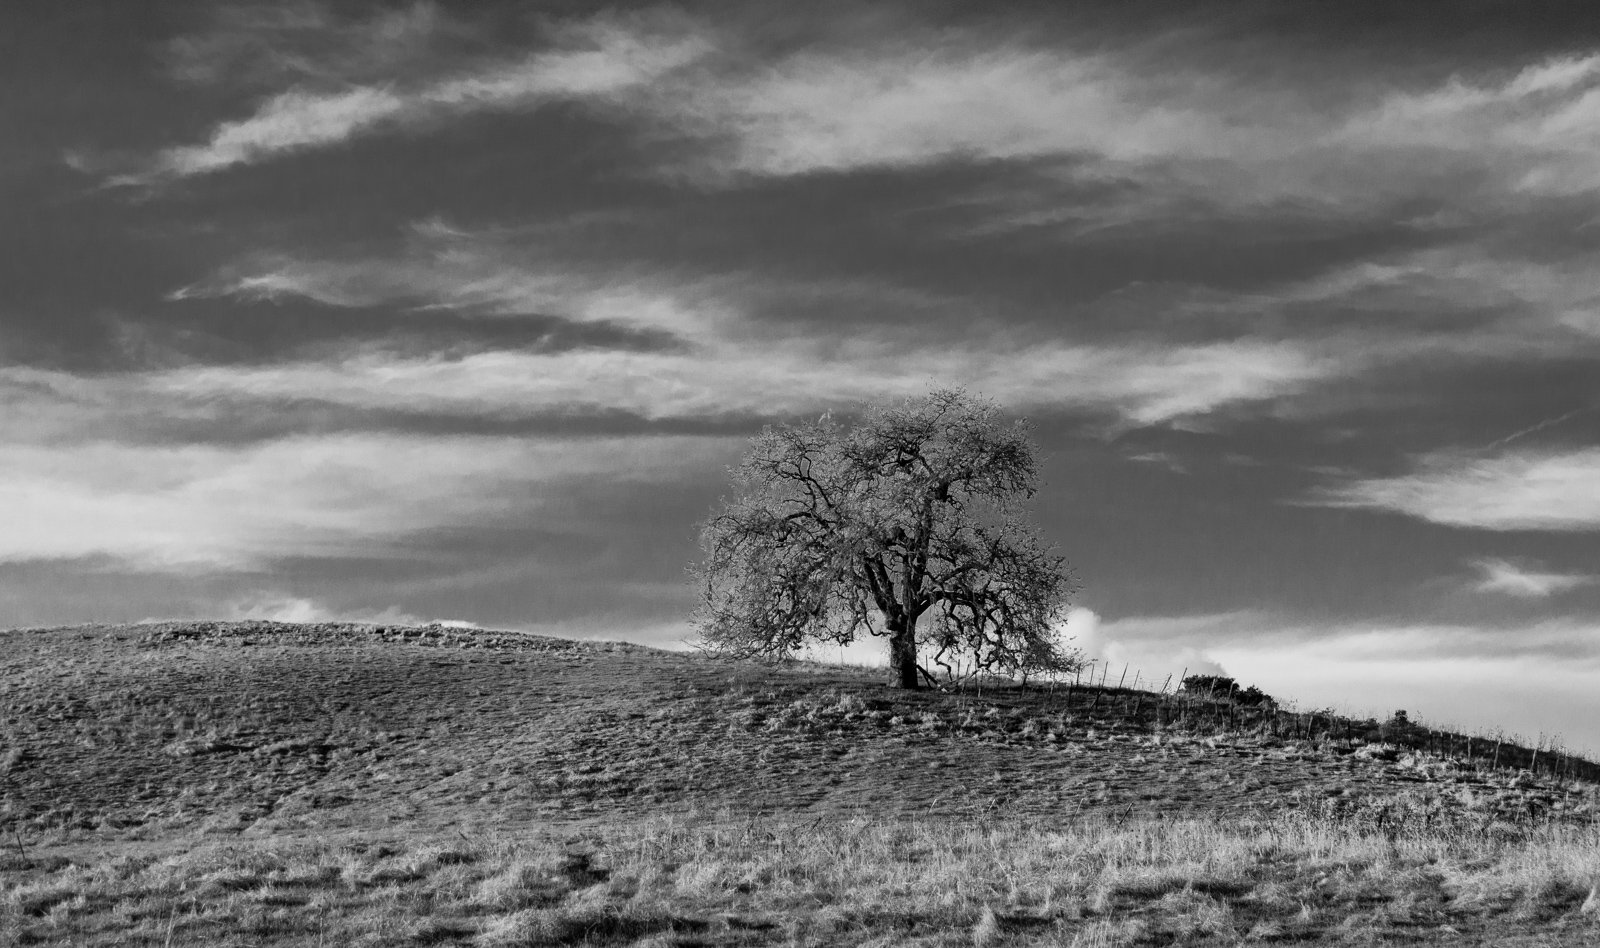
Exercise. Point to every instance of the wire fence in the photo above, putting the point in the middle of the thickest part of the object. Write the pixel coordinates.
(1165, 704)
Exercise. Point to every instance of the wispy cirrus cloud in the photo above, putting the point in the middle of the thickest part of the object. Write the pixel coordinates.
(1517, 490)
(738, 355)
(733, 364)
(1244, 346)
(1126, 386)
(901, 97)
(1510, 579)
(599, 59)
(1140, 386)
(447, 269)
(1537, 128)
(1179, 129)
(305, 41)
(899, 105)
(1460, 301)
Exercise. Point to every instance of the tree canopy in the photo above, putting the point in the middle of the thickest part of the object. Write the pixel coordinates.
(910, 524)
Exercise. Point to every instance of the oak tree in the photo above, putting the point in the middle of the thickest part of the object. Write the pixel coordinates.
(910, 524)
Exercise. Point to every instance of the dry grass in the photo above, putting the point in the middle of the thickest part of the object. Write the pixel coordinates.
(118, 733)
(731, 881)
(285, 785)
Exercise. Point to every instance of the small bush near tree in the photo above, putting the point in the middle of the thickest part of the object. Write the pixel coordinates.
(1211, 686)
(1254, 697)
(1225, 688)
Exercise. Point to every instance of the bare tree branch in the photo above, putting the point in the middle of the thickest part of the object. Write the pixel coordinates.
(914, 513)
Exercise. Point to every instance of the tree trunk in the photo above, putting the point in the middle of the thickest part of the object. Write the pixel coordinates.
(903, 654)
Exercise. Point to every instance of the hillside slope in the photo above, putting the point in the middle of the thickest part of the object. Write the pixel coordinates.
(256, 784)
(265, 728)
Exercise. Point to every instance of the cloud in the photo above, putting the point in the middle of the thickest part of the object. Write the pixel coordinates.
(1161, 121)
(349, 495)
(1439, 677)
(1499, 576)
(888, 103)
(1536, 129)
(288, 122)
(299, 40)
(1160, 650)
(1168, 137)
(1159, 640)
(1139, 386)
(736, 358)
(1082, 630)
(1268, 346)
(1473, 286)
(753, 372)
(1162, 458)
(899, 105)
(446, 269)
(603, 60)
(1466, 301)
(675, 635)
(1471, 676)
(1513, 491)
(284, 607)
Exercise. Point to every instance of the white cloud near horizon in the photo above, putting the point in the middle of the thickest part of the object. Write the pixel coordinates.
(1473, 677)
(1516, 490)
(1160, 640)
(222, 507)
(1110, 645)
(277, 606)
(1500, 576)
(1526, 697)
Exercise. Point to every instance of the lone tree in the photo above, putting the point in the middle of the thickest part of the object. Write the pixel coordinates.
(914, 515)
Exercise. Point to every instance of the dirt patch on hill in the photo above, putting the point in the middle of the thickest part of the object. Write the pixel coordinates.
(255, 728)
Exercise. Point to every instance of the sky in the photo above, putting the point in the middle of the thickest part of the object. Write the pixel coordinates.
(461, 311)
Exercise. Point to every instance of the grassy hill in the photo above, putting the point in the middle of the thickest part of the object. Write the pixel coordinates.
(258, 783)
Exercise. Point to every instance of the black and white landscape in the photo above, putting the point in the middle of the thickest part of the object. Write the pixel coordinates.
(459, 311)
(345, 343)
